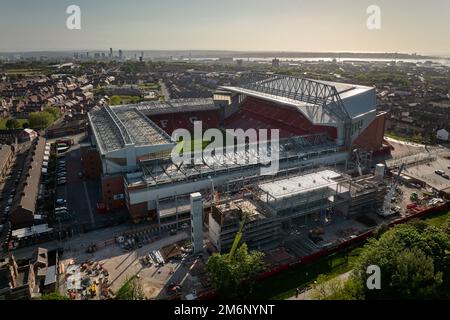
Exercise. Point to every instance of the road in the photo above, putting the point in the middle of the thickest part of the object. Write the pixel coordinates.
(164, 91)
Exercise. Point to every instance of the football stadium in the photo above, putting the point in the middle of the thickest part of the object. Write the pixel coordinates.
(327, 132)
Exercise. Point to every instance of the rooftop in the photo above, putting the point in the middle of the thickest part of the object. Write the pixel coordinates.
(5, 153)
(320, 101)
(234, 208)
(31, 231)
(289, 187)
(31, 187)
(174, 106)
(117, 127)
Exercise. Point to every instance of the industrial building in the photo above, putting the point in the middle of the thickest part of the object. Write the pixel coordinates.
(320, 124)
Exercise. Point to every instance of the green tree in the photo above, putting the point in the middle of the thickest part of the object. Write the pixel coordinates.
(233, 277)
(40, 120)
(337, 289)
(55, 112)
(12, 123)
(413, 259)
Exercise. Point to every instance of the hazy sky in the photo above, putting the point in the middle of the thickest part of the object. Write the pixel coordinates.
(261, 25)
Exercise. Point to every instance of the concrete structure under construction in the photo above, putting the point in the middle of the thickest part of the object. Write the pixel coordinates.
(261, 230)
(314, 198)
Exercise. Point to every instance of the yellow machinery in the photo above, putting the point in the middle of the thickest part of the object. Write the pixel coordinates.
(238, 235)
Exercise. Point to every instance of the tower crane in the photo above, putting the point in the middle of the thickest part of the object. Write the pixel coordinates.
(238, 235)
(392, 188)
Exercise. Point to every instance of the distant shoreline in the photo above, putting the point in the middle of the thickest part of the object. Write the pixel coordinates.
(235, 54)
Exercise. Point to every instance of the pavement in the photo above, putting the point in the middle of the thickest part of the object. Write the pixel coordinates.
(122, 265)
(82, 195)
(309, 294)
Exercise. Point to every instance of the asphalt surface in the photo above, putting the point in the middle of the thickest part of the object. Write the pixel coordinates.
(82, 196)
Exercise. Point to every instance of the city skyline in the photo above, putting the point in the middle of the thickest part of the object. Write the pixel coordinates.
(256, 26)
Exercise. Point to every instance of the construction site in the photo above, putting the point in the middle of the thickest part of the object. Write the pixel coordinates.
(338, 181)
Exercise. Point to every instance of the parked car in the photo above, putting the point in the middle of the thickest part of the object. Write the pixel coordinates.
(439, 172)
(446, 176)
(60, 201)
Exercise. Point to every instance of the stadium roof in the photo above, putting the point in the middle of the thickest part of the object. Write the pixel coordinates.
(321, 101)
(117, 127)
(174, 106)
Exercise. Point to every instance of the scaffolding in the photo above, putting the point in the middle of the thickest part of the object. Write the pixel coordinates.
(291, 151)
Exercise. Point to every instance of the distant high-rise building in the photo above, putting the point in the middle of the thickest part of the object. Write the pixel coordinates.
(110, 53)
(87, 54)
(120, 55)
(239, 62)
(275, 63)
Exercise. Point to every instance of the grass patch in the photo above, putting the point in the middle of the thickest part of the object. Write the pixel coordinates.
(25, 71)
(150, 86)
(438, 219)
(118, 100)
(415, 139)
(3, 123)
(284, 285)
(125, 291)
(181, 145)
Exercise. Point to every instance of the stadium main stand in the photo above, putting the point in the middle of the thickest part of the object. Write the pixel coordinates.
(185, 120)
(259, 114)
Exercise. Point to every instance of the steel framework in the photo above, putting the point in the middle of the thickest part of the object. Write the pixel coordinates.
(300, 89)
